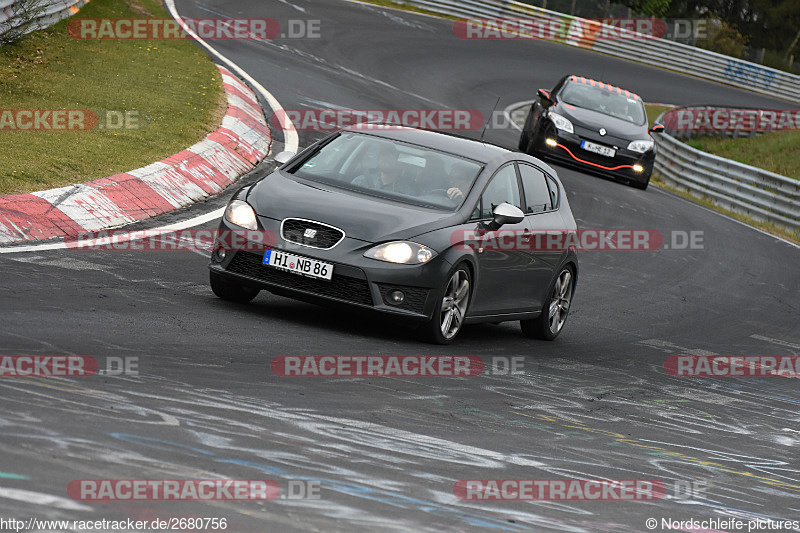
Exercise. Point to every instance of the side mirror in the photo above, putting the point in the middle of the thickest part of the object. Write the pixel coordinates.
(657, 128)
(283, 157)
(543, 94)
(506, 213)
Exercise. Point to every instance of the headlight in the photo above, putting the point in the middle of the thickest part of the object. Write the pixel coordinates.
(640, 146)
(241, 214)
(402, 252)
(561, 123)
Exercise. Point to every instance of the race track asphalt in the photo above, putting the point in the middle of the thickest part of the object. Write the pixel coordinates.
(596, 403)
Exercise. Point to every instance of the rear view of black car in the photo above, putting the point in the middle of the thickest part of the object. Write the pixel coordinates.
(593, 125)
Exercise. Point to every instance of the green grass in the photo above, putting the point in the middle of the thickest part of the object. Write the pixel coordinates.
(777, 152)
(653, 111)
(783, 147)
(172, 85)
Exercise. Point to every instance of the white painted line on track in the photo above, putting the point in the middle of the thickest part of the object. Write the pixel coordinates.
(291, 139)
(779, 342)
(119, 237)
(516, 105)
(723, 215)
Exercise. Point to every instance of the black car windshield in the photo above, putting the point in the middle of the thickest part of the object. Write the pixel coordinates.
(387, 168)
(604, 101)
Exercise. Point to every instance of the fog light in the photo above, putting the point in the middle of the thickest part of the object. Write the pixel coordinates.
(638, 168)
(396, 297)
(552, 143)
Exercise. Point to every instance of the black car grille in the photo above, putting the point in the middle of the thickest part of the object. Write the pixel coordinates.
(414, 300)
(341, 287)
(591, 157)
(325, 237)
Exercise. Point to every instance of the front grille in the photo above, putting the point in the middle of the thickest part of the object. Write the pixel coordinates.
(341, 287)
(592, 157)
(324, 236)
(414, 300)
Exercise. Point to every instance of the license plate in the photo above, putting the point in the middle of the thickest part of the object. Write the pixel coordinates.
(598, 149)
(305, 266)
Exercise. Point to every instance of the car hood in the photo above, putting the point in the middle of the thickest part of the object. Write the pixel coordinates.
(363, 217)
(595, 120)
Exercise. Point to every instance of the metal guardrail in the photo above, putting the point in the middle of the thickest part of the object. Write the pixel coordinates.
(637, 47)
(760, 194)
(757, 193)
(54, 11)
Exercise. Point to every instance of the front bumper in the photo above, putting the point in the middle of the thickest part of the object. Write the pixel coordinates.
(357, 281)
(569, 152)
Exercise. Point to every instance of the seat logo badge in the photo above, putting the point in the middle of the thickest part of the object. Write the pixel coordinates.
(310, 233)
(603, 131)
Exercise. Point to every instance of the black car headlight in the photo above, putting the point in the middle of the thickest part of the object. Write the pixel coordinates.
(561, 123)
(241, 214)
(401, 252)
(640, 146)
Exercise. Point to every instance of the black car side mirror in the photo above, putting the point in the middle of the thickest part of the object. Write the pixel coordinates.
(657, 128)
(506, 213)
(544, 95)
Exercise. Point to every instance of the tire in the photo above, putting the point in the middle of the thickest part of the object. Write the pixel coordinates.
(231, 291)
(526, 137)
(524, 142)
(453, 303)
(555, 310)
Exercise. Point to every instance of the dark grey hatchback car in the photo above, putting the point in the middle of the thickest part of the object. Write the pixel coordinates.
(415, 224)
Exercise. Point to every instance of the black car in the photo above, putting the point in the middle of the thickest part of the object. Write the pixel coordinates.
(592, 125)
(382, 218)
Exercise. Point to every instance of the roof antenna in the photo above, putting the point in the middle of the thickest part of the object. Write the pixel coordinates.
(488, 119)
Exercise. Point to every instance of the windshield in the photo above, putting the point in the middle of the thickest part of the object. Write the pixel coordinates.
(391, 169)
(604, 101)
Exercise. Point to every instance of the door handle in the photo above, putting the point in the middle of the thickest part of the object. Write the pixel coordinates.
(526, 235)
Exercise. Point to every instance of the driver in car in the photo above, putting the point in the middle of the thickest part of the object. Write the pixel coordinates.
(619, 108)
(460, 179)
(387, 176)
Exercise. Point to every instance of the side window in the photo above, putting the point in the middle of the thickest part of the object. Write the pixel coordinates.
(559, 85)
(553, 186)
(476, 213)
(537, 194)
(504, 187)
